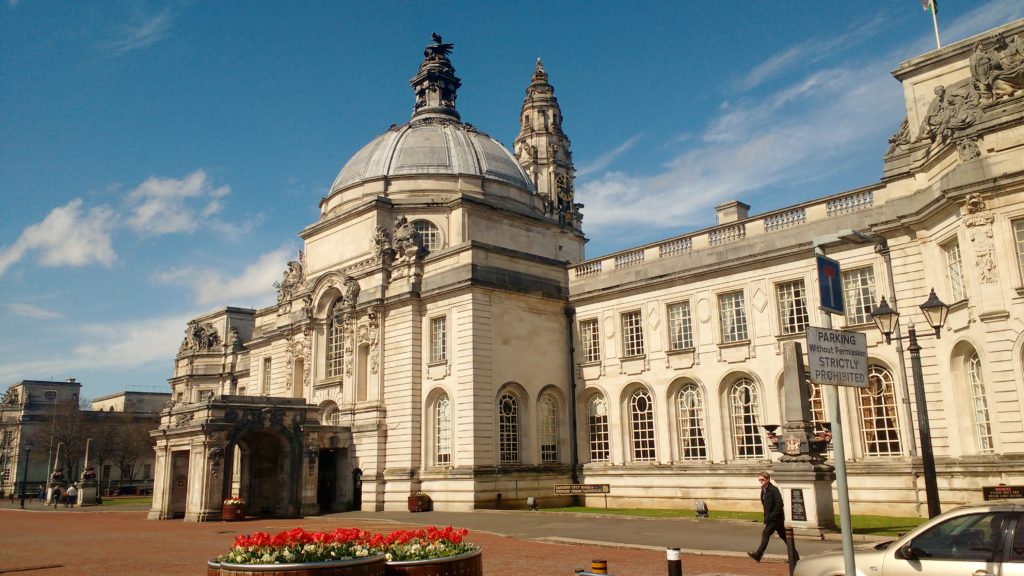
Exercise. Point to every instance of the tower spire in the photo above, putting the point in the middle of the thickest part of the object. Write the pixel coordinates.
(542, 149)
(435, 84)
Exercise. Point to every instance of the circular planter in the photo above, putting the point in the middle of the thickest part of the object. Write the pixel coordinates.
(369, 566)
(231, 512)
(468, 564)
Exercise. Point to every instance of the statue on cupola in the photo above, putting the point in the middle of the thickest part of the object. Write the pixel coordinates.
(542, 149)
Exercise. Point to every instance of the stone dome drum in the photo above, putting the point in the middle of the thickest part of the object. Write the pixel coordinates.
(432, 146)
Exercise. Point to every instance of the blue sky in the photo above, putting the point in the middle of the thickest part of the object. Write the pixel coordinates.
(158, 159)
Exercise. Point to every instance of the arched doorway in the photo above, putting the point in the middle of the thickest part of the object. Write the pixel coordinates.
(263, 469)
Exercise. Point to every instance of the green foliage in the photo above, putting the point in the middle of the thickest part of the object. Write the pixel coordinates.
(128, 500)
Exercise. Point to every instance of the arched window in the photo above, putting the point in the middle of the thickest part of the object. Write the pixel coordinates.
(429, 233)
(982, 425)
(335, 341)
(879, 424)
(442, 432)
(641, 425)
(745, 416)
(597, 422)
(508, 429)
(548, 429)
(690, 423)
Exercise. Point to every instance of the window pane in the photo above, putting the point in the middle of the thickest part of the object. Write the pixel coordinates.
(974, 537)
(733, 317)
(982, 425)
(954, 271)
(335, 342)
(879, 424)
(429, 233)
(641, 416)
(597, 417)
(859, 292)
(591, 341)
(548, 429)
(680, 330)
(508, 429)
(443, 432)
(632, 334)
(793, 316)
(745, 410)
(690, 424)
(1018, 234)
(438, 339)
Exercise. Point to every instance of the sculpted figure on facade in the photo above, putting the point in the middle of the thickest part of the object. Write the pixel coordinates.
(291, 282)
(10, 398)
(199, 337)
(406, 240)
(351, 296)
(900, 140)
(951, 111)
(380, 244)
(979, 229)
(998, 70)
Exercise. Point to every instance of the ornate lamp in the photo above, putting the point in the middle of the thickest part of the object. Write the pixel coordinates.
(935, 311)
(885, 319)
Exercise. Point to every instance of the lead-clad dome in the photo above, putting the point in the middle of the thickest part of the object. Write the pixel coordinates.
(432, 147)
(435, 141)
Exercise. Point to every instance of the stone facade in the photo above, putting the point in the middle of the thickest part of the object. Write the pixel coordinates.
(442, 331)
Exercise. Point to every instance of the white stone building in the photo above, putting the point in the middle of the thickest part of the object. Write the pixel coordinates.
(443, 332)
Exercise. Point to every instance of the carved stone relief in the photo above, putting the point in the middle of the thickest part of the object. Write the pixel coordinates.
(199, 337)
(950, 111)
(997, 67)
(968, 149)
(979, 229)
(291, 283)
(900, 140)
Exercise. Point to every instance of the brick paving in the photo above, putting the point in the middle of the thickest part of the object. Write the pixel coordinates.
(41, 541)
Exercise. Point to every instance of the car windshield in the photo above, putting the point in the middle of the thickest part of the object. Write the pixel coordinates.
(967, 537)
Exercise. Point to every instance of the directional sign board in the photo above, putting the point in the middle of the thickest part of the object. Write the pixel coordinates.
(830, 285)
(837, 357)
(582, 488)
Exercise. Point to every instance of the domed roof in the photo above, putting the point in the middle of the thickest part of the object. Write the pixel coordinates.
(435, 141)
(432, 146)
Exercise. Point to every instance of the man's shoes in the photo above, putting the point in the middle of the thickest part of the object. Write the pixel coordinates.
(754, 557)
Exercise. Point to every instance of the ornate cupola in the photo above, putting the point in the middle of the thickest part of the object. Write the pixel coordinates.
(542, 149)
(435, 84)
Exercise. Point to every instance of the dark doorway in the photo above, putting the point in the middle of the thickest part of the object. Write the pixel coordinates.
(179, 482)
(327, 480)
(357, 489)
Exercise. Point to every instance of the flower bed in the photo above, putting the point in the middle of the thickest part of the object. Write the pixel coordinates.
(428, 551)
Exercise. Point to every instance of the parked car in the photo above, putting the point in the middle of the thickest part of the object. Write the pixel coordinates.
(984, 539)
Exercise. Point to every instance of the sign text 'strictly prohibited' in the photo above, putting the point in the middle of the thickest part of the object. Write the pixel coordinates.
(837, 357)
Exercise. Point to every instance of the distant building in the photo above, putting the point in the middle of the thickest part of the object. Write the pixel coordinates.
(442, 331)
(49, 415)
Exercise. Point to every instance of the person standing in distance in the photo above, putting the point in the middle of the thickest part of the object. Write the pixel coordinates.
(774, 515)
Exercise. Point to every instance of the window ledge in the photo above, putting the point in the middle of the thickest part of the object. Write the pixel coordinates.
(438, 363)
(328, 382)
(689, 350)
(736, 344)
(792, 336)
(630, 358)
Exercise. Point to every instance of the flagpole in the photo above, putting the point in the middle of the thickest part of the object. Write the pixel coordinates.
(935, 22)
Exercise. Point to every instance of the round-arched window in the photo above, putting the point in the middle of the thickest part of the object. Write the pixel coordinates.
(430, 234)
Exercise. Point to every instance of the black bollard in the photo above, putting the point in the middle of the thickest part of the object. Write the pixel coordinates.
(675, 562)
(791, 550)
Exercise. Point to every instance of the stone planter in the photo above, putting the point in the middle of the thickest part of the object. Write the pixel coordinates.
(231, 512)
(468, 564)
(370, 566)
(419, 503)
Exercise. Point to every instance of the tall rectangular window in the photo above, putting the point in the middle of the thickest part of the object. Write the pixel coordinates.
(335, 342)
(793, 316)
(265, 382)
(1018, 236)
(733, 317)
(438, 339)
(859, 293)
(597, 420)
(632, 334)
(954, 270)
(680, 328)
(591, 340)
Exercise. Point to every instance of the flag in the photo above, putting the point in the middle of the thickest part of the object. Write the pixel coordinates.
(932, 5)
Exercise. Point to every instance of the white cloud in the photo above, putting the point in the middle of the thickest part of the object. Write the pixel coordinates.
(165, 205)
(30, 311)
(604, 160)
(145, 33)
(253, 287)
(68, 236)
(118, 346)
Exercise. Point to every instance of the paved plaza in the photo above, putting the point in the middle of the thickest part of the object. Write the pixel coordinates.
(115, 541)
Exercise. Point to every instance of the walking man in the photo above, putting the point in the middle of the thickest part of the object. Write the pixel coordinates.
(71, 499)
(774, 515)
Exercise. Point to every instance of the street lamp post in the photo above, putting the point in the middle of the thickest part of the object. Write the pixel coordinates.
(935, 312)
(53, 421)
(24, 475)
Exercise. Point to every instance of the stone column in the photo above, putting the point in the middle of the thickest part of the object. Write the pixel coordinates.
(801, 473)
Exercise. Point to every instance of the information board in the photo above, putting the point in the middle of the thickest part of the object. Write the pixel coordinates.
(1002, 492)
(796, 505)
(562, 489)
(837, 357)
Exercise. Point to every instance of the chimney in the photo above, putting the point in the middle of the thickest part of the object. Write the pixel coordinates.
(731, 212)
